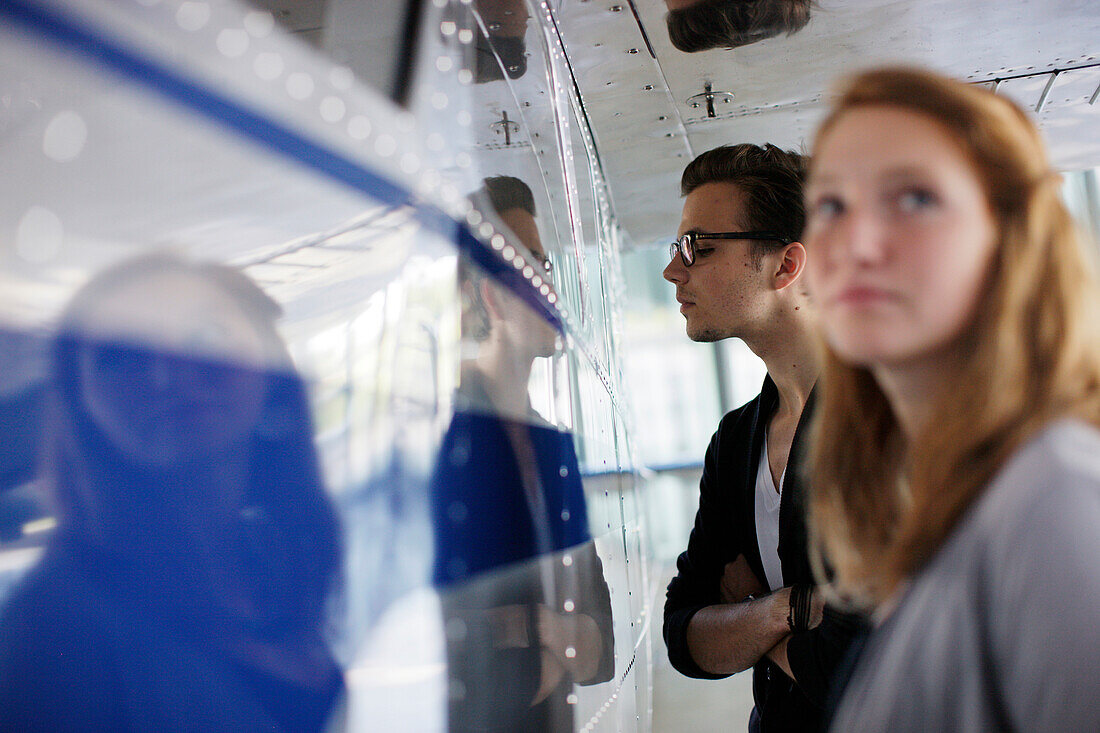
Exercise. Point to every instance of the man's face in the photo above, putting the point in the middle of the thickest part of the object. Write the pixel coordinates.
(720, 295)
(526, 326)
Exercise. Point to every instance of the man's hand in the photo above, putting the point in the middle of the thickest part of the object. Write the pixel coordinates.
(574, 639)
(738, 582)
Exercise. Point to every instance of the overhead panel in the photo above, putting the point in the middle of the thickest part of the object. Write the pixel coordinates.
(1070, 119)
(780, 86)
(638, 131)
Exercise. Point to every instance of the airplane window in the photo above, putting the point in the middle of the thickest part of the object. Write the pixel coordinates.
(1081, 190)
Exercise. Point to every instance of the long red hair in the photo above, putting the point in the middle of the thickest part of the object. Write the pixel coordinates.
(881, 505)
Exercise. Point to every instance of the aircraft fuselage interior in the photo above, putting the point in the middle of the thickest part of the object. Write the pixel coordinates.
(403, 432)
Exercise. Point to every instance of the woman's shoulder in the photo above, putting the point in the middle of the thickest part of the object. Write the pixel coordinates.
(1069, 440)
(1042, 509)
(1060, 463)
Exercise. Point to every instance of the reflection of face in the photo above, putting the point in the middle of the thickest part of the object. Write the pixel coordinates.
(719, 293)
(899, 234)
(191, 388)
(529, 328)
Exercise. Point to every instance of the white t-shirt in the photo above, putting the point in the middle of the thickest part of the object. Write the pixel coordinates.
(767, 518)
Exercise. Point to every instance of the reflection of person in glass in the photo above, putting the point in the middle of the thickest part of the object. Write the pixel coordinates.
(527, 611)
(506, 23)
(699, 25)
(185, 584)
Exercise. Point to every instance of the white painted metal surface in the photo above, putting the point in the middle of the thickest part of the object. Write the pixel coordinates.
(647, 131)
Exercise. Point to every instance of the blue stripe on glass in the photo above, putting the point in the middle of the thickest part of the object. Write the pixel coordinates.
(69, 32)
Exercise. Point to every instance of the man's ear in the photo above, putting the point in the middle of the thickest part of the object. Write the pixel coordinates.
(491, 298)
(792, 260)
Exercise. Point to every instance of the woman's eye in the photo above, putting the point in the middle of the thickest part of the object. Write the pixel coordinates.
(826, 207)
(915, 200)
(703, 251)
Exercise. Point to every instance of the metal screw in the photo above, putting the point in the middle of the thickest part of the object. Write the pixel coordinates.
(632, 50)
(648, 87)
(616, 8)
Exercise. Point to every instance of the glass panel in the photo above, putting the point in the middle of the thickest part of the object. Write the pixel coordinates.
(1081, 191)
(294, 436)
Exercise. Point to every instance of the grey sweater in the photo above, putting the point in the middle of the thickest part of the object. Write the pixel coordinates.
(1001, 629)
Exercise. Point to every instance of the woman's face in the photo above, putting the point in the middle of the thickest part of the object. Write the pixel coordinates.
(174, 370)
(899, 237)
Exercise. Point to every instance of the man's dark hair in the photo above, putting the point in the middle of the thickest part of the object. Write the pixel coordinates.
(507, 192)
(770, 178)
(732, 23)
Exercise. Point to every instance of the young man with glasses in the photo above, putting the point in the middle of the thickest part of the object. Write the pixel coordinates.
(743, 594)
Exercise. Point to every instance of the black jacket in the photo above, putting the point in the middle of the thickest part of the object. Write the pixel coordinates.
(725, 527)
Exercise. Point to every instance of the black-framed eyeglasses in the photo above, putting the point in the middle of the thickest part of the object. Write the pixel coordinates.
(685, 243)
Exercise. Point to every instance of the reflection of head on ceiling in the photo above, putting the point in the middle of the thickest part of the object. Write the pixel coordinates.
(506, 24)
(504, 18)
(699, 25)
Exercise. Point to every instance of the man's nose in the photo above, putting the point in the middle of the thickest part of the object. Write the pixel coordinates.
(675, 272)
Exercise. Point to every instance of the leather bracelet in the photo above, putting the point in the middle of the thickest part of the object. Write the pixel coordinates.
(809, 606)
(798, 612)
